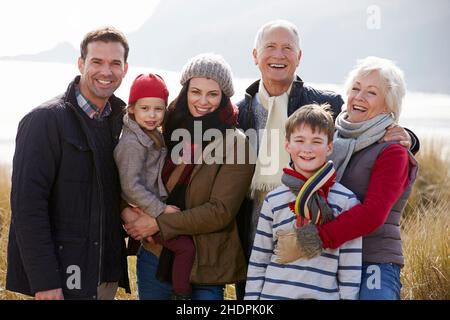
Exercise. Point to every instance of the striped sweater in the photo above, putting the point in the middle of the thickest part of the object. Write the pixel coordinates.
(335, 274)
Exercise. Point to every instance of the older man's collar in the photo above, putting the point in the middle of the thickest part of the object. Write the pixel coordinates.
(296, 85)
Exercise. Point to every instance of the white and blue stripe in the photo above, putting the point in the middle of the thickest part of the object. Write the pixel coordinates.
(335, 274)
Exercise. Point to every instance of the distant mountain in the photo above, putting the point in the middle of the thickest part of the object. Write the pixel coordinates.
(334, 34)
(63, 52)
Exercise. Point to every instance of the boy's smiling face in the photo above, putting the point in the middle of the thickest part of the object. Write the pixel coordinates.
(308, 149)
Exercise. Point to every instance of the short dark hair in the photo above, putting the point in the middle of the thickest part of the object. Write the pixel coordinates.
(317, 116)
(105, 34)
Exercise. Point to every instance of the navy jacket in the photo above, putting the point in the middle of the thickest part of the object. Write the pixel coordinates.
(300, 95)
(57, 202)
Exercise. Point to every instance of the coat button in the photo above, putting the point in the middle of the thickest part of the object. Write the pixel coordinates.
(61, 247)
(95, 243)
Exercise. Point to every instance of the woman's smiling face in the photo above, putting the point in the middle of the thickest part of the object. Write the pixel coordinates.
(366, 98)
(204, 96)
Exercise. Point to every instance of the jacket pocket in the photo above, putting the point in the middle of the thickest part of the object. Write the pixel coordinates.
(77, 160)
(72, 255)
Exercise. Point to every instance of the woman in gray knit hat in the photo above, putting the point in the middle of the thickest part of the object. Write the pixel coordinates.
(207, 184)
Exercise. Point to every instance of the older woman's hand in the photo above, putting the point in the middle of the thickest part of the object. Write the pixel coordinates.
(142, 227)
(396, 133)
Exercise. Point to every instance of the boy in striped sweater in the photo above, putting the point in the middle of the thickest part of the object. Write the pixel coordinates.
(308, 194)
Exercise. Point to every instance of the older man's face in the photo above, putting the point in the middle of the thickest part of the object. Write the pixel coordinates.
(278, 56)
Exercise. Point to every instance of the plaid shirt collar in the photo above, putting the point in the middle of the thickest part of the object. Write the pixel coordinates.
(89, 108)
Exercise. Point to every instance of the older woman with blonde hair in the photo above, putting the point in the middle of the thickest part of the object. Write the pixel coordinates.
(380, 174)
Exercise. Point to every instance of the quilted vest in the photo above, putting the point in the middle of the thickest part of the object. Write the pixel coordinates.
(384, 244)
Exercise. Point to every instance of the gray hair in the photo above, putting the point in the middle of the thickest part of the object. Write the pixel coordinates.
(275, 24)
(393, 78)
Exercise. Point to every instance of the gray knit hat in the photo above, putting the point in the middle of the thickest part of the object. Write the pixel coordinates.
(211, 66)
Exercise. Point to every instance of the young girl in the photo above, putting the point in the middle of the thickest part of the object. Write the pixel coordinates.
(139, 156)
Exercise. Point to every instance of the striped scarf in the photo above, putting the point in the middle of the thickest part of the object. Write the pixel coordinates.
(311, 204)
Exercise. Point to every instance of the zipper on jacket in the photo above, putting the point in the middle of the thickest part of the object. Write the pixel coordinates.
(100, 187)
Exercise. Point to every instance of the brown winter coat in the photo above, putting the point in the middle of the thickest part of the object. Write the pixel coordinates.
(213, 197)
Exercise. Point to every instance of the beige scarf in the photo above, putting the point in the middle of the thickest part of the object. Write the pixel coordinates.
(272, 157)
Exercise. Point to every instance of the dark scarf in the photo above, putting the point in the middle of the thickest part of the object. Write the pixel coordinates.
(311, 203)
(223, 118)
(178, 116)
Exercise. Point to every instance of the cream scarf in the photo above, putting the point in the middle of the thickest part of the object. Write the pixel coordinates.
(272, 157)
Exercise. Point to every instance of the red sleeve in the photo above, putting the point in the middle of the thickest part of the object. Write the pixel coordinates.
(388, 181)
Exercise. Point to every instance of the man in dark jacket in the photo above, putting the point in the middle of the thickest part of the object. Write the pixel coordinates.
(66, 239)
(267, 104)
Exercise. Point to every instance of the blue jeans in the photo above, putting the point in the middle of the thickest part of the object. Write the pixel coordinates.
(380, 281)
(150, 288)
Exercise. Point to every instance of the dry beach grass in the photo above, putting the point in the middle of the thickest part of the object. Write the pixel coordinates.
(425, 227)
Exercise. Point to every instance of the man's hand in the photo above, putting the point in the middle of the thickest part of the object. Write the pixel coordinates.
(54, 294)
(142, 227)
(396, 133)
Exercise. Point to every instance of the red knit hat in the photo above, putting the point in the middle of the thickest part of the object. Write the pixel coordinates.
(148, 86)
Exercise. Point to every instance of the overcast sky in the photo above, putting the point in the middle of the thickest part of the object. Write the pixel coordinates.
(30, 26)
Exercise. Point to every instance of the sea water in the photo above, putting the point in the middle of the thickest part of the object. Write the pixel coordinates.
(25, 85)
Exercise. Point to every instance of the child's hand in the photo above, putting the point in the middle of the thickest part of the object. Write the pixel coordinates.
(287, 249)
(130, 214)
(171, 209)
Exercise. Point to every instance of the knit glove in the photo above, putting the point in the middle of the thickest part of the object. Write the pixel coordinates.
(309, 241)
(303, 243)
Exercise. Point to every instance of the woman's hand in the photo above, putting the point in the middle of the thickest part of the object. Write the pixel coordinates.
(142, 227)
(171, 209)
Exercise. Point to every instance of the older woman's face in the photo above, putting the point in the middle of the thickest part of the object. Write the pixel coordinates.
(203, 96)
(366, 98)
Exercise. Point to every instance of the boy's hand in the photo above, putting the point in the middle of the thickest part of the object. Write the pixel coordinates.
(171, 209)
(287, 249)
(303, 243)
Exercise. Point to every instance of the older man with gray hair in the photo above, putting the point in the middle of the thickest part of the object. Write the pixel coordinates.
(267, 104)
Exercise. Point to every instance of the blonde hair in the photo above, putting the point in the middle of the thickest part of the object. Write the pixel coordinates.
(393, 79)
(317, 116)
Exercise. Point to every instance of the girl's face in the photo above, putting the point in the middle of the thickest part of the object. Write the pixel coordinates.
(148, 112)
(204, 96)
